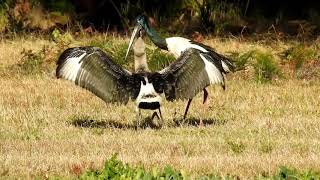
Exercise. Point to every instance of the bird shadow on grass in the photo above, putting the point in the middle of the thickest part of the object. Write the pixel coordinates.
(199, 122)
(88, 122)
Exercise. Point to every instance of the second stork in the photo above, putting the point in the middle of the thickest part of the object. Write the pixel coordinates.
(213, 66)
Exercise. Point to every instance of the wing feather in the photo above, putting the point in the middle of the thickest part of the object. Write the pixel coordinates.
(94, 70)
(190, 74)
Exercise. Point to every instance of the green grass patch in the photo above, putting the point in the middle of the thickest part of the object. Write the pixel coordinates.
(263, 63)
(299, 54)
(265, 67)
(236, 147)
(36, 62)
(116, 169)
(157, 60)
(294, 174)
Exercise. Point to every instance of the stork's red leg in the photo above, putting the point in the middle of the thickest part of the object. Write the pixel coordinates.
(187, 108)
(205, 95)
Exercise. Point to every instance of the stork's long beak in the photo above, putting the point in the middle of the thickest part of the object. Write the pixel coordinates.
(134, 35)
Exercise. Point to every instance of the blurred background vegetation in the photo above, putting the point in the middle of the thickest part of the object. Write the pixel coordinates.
(293, 18)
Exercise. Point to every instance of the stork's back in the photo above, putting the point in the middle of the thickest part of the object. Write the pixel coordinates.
(140, 57)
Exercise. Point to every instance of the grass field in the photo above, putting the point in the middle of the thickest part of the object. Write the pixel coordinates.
(49, 127)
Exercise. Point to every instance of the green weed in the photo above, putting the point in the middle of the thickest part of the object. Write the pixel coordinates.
(115, 169)
(236, 147)
(3, 19)
(117, 50)
(299, 54)
(241, 61)
(31, 62)
(265, 67)
(35, 62)
(266, 147)
(294, 174)
(158, 60)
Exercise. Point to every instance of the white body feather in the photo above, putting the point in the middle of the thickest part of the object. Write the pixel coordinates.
(147, 93)
(176, 45)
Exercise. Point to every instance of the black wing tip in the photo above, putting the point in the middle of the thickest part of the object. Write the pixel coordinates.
(64, 55)
(68, 53)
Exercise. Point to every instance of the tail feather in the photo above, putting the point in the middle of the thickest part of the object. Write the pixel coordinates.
(226, 63)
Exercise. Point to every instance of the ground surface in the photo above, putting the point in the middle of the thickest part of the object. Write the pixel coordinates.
(50, 127)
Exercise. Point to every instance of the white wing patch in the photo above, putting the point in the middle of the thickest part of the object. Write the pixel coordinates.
(213, 72)
(71, 68)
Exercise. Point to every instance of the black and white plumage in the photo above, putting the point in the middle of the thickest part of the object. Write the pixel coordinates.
(176, 45)
(94, 70)
(216, 65)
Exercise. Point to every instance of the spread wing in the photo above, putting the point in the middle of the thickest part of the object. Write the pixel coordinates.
(94, 70)
(191, 73)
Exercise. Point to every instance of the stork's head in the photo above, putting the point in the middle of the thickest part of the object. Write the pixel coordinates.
(141, 23)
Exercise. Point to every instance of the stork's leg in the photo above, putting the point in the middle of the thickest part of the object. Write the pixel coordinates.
(205, 95)
(155, 114)
(161, 119)
(160, 113)
(187, 108)
(138, 117)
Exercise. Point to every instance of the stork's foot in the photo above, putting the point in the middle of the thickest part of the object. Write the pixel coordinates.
(160, 119)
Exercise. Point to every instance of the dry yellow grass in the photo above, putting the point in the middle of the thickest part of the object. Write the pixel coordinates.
(249, 129)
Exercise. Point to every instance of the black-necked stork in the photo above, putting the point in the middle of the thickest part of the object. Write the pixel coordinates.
(216, 65)
(94, 70)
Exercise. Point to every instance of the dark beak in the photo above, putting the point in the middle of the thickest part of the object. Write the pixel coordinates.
(135, 34)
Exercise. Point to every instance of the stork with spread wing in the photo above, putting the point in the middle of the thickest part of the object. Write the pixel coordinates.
(92, 69)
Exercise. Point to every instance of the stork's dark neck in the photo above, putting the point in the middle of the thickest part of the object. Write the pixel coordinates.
(155, 38)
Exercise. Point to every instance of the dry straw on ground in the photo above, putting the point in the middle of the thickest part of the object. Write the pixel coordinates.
(249, 129)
